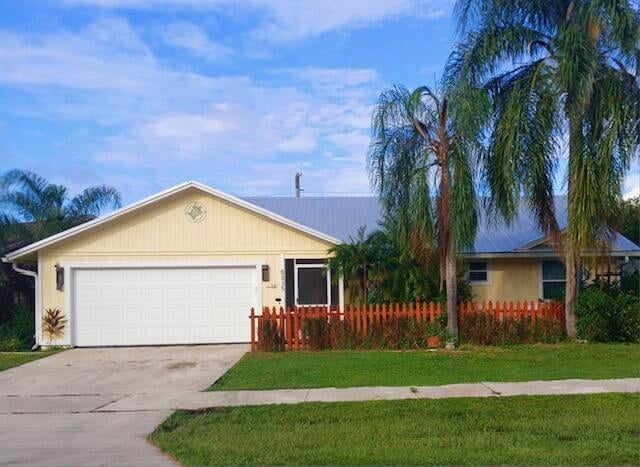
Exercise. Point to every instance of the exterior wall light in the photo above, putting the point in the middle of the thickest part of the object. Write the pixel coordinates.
(59, 277)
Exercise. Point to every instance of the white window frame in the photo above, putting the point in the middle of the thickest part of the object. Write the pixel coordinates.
(296, 267)
(543, 280)
(487, 281)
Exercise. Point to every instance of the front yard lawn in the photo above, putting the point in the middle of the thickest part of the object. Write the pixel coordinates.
(11, 359)
(422, 368)
(586, 429)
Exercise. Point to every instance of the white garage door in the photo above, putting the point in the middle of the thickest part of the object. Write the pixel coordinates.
(152, 306)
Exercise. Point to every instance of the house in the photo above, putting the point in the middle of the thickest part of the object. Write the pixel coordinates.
(186, 265)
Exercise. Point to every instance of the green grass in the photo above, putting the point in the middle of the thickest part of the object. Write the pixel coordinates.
(586, 429)
(423, 368)
(11, 359)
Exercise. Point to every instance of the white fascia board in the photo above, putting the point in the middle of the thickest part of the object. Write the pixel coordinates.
(15, 255)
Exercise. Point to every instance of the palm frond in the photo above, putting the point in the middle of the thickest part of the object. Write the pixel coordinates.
(93, 200)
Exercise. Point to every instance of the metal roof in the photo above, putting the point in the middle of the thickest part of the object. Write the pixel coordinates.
(341, 217)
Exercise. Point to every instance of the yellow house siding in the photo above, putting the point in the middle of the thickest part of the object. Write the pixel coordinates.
(511, 279)
(164, 228)
(162, 233)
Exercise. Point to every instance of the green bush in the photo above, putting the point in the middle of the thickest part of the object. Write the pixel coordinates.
(608, 315)
(11, 344)
(17, 334)
(630, 283)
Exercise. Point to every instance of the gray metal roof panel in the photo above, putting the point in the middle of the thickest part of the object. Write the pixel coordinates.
(341, 217)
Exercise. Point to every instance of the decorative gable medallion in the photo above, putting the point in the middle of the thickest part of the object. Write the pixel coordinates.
(195, 211)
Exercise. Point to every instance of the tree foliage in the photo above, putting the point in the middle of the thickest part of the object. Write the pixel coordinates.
(628, 219)
(422, 158)
(562, 76)
(33, 208)
(377, 270)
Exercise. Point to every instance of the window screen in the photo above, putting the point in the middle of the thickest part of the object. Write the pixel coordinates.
(553, 280)
(312, 286)
(478, 271)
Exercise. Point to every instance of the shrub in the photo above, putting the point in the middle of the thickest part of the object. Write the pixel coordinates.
(316, 331)
(269, 336)
(549, 331)
(11, 344)
(53, 323)
(626, 323)
(630, 283)
(345, 338)
(17, 334)
(608, 316)
(485, 329)
(479, 328)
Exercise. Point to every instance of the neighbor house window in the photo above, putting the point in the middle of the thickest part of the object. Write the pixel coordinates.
(478, 272)
(554, 279)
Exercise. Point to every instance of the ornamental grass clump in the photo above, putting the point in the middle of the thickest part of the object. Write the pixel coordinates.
(269, 336)
(485, 329)
(316, 330)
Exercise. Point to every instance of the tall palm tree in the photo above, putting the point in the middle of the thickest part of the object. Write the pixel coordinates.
(28, 198)
(421, 164)
(558, 71)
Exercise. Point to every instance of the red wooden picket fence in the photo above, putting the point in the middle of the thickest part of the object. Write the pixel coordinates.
(360, 318)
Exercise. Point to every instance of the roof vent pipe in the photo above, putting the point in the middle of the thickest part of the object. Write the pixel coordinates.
(298, 189)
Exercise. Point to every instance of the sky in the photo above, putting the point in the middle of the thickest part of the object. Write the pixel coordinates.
(240, 95)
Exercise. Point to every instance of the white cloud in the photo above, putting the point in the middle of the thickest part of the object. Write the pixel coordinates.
(290, 20)
(194, 39)
(139, 115)
(98, 57)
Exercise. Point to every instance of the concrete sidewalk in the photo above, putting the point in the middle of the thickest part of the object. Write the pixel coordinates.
(485, 389)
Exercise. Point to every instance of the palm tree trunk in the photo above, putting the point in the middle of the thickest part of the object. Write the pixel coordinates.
(447, 247)
(571, 293)
(571, 255)
(365, 284)
(452, 293)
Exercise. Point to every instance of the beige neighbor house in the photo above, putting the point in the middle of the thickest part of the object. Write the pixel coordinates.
(186, 265)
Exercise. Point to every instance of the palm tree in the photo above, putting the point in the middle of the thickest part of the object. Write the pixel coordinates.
(421, 164)
(46, 207)
(560, 70)
(352, 261)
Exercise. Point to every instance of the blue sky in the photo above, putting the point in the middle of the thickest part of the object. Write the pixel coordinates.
(145, 94)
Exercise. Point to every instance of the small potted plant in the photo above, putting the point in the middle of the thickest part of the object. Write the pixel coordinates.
(449, 341)
(433, 336)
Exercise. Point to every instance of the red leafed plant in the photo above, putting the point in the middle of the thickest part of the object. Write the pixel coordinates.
(53, 323)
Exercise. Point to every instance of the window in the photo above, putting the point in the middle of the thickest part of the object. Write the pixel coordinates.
(478, 272)
(312, 286)
(554, 279)
(312, 283)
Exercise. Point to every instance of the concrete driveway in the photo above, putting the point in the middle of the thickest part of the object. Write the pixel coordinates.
(97, 406)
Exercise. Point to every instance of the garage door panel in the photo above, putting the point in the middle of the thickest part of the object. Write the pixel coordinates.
(162, 306)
